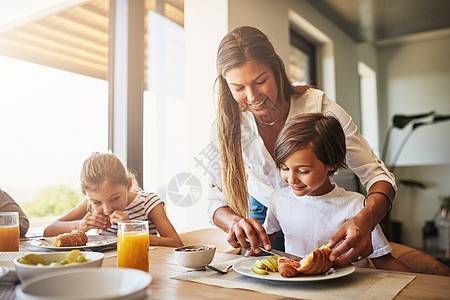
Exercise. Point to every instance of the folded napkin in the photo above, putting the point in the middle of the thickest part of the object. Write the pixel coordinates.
(224, 261)
(361, 284)
(6, 261)
(8, 280)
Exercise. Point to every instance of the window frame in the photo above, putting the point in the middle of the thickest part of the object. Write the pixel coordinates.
(301, 43)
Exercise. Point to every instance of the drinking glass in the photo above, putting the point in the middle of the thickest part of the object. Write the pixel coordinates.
(9, 231)
(132, 245)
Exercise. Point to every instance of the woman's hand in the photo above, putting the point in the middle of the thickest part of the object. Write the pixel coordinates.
(118, 216)
(356, 234)
(251, 230)
(93, 220)
(356, 237)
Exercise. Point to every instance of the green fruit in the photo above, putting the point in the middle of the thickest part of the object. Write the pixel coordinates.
(81, 259)
(34, 259)
(24, 261)
(259, 265)
(268, 264)
(72, 256)
(259, 271)
(274, 260)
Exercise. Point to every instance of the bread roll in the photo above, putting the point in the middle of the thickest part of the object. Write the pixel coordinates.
(72, 239)
(317, 262)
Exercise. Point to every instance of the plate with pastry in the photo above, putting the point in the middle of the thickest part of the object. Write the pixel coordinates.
(314, 267)
(74, 240)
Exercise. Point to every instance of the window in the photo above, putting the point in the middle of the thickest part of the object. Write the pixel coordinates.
(302, 65)
(369, 106)
(54, 103)
(165, 119)
(55, 76)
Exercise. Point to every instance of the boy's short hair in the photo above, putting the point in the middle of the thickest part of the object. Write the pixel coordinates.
(322, 132)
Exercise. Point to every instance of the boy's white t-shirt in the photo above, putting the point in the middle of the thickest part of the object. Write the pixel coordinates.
(308, 222)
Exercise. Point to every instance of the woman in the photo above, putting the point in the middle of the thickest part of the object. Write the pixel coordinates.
(256, 99)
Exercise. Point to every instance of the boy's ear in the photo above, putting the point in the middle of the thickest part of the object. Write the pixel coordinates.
(331, 170)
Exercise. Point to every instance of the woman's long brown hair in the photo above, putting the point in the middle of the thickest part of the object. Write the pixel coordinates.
(239, 46)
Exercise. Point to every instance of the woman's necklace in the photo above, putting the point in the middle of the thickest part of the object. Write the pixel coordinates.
(271, 123)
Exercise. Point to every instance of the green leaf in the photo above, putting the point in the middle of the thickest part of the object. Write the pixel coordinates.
(412, 183)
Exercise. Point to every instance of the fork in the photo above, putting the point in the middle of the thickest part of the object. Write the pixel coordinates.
(223, 271)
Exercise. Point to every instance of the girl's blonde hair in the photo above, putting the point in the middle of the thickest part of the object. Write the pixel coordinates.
(241, 45)
(105, 168)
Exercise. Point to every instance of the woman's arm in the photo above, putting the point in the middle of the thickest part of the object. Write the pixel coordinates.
(388, 262)
(356, 232)
(168, 234)
(239, 229)
(373, 174)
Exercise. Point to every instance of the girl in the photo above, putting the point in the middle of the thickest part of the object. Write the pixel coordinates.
(309, 149)
(113, 195)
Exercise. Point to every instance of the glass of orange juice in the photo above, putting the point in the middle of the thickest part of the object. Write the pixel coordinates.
(9, 231)
(132, 245)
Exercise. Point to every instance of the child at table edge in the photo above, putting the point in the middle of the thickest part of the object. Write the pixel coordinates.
(112, 194)
(309, 149)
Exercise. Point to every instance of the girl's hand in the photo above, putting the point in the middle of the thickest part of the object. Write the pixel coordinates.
(118, 216)
(249, 229)
(356, 237)
(93, 220)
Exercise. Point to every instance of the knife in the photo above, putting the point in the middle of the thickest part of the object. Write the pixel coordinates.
(281, 253)
(278, 253)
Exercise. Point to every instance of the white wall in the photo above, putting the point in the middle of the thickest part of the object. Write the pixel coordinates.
(206, 22)
(413, 206)
(414, 77)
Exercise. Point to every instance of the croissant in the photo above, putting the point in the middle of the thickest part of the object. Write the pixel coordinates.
(317, 262)
(74, 238)
(288, 267)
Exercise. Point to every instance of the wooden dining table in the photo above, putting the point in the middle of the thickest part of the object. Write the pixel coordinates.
(163, 266)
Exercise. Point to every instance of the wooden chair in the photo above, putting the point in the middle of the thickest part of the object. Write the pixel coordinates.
(211, 236)
(418, 261)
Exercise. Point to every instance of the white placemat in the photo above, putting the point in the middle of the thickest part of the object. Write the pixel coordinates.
(361, 284)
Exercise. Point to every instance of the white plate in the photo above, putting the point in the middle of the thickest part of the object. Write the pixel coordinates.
(244, 267)
(94, 241)
(87, 283)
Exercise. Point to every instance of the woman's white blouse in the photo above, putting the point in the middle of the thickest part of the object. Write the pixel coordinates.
(263, 176)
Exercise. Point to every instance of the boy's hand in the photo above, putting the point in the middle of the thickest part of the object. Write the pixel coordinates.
(118, 216)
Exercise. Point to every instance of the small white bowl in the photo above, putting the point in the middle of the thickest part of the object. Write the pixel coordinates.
(25, 272)
(195, 257)
(86, 283)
